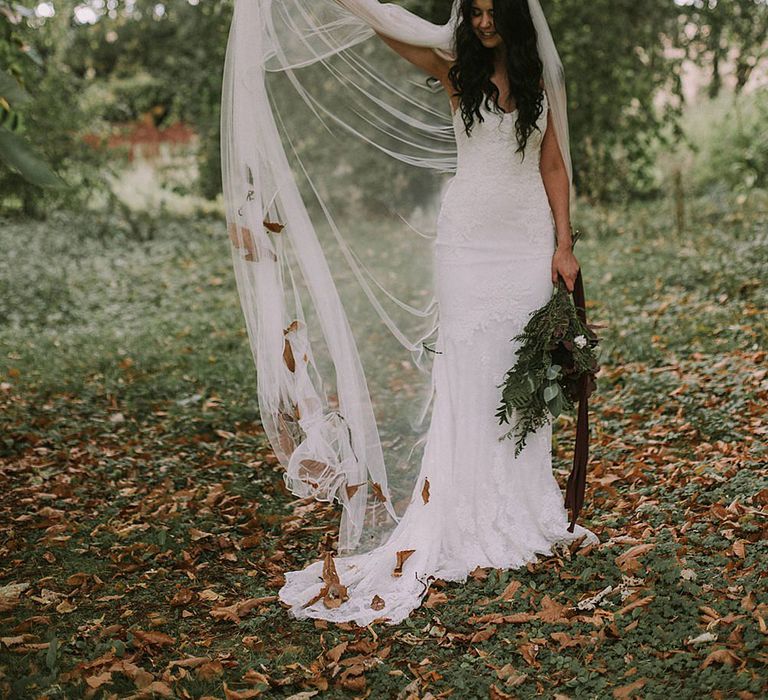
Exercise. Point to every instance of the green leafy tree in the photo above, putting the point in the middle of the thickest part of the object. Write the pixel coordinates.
(168, 61)
(728, 31)
(42, 121)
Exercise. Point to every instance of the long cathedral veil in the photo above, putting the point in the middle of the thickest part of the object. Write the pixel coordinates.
(334, 155)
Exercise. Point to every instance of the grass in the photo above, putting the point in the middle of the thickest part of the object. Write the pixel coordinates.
(146, 528)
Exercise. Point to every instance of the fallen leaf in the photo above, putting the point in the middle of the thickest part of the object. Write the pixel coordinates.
(721, 656)
(210, 670)
(509, 592)
(552, 611)
(182, 597)
(378, 492)
(333, 593)
(240, 694)
(483, 634)
(273, 226)
(335, 653)
(630, 690)
(98, 680)
(288, 358)
(435, 598)
(402, 556)
(190, 662)
(352, 489)
(312, 471)
(65, 607)
(159, 639)
(234, 612)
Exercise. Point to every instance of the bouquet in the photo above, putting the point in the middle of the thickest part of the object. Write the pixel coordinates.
(556, 364)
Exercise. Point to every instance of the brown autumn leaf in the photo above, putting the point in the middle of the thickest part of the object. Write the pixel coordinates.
(333, 593)
(210, 671)
(19, 639)
(189, 662)
(629, 691)
(635, 604)
(312, 471)
(335, 653)
(495, 693)
(253, 642)
(254, 677)
(78, 579)
(183, 597)
(565, 640)
(292, 326)
(230, 694)
(402, 556)
(740, 549)
(529, 652)
(483, 635)
(378, 492)
(352, 489)
(159, 639)
(247, 240)
(196, 535)
(98, 680)
(552, 611)
(509, 674)
(65, 607)
(273, 226)
(141, 678)
(425, 491)
(509, 592)
(377, 603)
(288, 358)
(627, 561)
(233, 613)
(250, 541)
(721, 656)
(435, 598)
(158, 688)
(501, 618)
(353, 683)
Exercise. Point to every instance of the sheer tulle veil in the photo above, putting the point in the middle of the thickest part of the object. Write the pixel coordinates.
(335, 152)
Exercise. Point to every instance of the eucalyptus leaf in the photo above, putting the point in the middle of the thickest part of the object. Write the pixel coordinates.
(550, 391)
(555, 406)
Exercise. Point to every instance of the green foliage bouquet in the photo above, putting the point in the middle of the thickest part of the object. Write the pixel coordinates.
(556, 362)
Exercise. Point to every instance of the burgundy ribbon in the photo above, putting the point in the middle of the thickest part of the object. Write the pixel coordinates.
(577, 481)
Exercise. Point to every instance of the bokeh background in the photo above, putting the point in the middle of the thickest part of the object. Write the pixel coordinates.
(145, 525)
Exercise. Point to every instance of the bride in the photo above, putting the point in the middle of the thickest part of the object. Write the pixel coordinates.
(503, 236)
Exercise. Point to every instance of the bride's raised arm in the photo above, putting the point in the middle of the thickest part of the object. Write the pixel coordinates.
(421, 57)
(407, 29)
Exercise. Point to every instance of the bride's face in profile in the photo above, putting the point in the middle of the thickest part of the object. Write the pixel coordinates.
(483, 25)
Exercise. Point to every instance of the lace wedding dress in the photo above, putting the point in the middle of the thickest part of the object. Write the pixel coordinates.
(474, 504)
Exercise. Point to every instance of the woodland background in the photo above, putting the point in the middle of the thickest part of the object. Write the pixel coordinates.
(144, 524)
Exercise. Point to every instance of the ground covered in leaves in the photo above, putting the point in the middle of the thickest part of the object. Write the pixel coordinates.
(146, 528)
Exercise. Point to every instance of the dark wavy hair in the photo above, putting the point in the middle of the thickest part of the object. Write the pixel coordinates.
(471, 74)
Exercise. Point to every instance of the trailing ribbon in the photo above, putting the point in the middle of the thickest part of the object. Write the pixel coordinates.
(574, 494)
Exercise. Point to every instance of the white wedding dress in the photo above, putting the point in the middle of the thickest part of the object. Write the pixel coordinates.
(492, 256)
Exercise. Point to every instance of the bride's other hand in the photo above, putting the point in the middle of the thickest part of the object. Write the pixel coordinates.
(565, 264)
